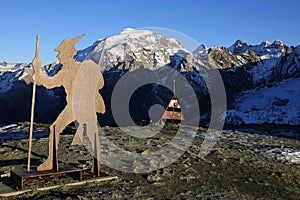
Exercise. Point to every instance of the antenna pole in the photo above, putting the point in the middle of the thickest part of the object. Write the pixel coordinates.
(174, 90)
(102, 52)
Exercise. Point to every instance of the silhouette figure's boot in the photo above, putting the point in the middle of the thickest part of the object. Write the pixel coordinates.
(47, 165)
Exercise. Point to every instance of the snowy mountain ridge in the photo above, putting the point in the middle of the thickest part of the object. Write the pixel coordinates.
(256, 77)
(265, 50)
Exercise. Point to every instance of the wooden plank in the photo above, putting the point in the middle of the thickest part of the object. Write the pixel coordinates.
(10, 192)
(5, 189)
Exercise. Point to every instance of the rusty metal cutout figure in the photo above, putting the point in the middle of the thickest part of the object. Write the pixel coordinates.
(66, 78)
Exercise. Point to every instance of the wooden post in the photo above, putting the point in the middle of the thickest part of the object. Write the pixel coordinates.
(36, 58)
(96, 160)
(54, 157)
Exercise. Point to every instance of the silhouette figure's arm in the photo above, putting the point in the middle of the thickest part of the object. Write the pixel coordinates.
(49, 81)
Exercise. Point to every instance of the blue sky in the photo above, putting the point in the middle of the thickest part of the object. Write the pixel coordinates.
(209, 22)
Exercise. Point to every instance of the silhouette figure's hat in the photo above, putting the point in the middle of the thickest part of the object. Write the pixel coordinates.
(67, 43)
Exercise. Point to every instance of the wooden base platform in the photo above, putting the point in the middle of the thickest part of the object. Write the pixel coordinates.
(18, 177)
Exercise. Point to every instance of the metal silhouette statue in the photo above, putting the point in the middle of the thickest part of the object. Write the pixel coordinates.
(79, 80)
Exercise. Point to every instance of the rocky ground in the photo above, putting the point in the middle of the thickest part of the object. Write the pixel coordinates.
(241, 166)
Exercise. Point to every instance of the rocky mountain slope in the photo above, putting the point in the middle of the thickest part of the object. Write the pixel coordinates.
(261, 81)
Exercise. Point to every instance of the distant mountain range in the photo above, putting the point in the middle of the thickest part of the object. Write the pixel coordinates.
(262, 81)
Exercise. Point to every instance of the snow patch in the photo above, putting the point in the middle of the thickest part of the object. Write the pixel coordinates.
(278, 105)
(283, 154)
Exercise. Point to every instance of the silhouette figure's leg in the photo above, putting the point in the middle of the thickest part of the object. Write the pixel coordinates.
(64, 119)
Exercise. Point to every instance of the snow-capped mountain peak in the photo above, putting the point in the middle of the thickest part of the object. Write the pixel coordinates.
(201, 49)
(133, 48)
(239, 45)
(278, 43)
(265, 43)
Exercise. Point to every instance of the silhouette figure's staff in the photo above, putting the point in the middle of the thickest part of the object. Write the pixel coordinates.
(35, 63)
